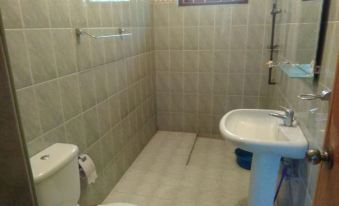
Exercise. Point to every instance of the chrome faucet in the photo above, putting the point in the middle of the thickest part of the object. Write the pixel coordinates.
(288, 118)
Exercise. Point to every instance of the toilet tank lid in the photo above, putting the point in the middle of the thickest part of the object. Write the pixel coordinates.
(52, 159)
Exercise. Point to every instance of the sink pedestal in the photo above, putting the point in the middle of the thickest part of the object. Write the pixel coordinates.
(264, 174)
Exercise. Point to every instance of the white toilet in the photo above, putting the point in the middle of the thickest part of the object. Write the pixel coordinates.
(56, 176)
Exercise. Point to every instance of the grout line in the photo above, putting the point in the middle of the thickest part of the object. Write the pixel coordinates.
(192, 149)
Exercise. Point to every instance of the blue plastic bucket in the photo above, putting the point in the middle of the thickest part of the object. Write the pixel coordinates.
(244, 158)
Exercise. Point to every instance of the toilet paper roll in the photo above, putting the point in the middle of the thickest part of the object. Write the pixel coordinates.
(87, 168)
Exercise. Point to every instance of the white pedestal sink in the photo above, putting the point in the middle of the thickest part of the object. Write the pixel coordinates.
(255, 131)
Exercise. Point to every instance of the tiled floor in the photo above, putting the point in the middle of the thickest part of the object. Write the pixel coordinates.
(160, 176)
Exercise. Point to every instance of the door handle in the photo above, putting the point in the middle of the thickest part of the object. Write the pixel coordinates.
(315, 157)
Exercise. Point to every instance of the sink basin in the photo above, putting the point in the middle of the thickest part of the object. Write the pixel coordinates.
(256, 131)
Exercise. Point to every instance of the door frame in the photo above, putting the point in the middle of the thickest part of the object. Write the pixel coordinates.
(327, 185)
(16, 181)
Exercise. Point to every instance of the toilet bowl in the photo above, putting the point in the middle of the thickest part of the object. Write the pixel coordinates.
(57, 178)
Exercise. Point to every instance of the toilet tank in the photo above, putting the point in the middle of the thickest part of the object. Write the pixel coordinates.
(56, 175)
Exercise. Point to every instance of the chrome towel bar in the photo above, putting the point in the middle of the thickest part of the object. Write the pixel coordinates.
(121, 34)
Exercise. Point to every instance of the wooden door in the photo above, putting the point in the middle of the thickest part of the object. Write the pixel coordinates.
(327, 193)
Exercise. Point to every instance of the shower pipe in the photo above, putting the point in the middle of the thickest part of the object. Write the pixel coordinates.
(272, 46)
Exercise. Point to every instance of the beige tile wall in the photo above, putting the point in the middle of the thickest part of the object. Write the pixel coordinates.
(97, 94)
(209, 60)
(311, 115)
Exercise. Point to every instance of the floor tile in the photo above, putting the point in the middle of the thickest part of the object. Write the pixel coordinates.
(160, 176)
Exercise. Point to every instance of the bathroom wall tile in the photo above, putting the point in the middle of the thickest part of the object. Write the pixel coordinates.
(107, 148)
(29, 113)
(112, 79)
(133, 14)
(162, 60)
(70, 96)
(220, 84)
(176, 38)
(222, 37)
(239, 14)
(83, 51)
(78, 13)
(256, 14)
(190, 122)
(161, 14)
(177, 122)
(255, 37)
(55, 135)
(75, 132)
(254, 64)
(190, 82)
(59, 13)
(237, 62)
(20, 65)
(190, 103)
(49, 105)
(215, 45)
(206, 41)
(91, 126)
(205, 104)
(122, 74)
(116, 14)
(104, 119)
(238, 37)
(114, 110)
(64, 47)
(11, 14)
(207, 16)
(235, 84)
(93, 15)
(191, 61)
(223, 15)
(191, 16)
(234, 102)
(205, 83)
(41, 54)
(206, 61)
(35, 13)
(176, 17)
(163, 102)
(205, 124)
(100, 83)
(87, 89)
(162, 82)
(251, 102)
(106, 14)
(36, 145)
(219, 104)
(177, 103)
(65, 85)
(161, 38)
(191, 38)
(252, 85)
(97, 49)
(177, 81)
(177, 61)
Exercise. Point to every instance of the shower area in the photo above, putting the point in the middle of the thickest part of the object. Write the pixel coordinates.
(140, 86)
